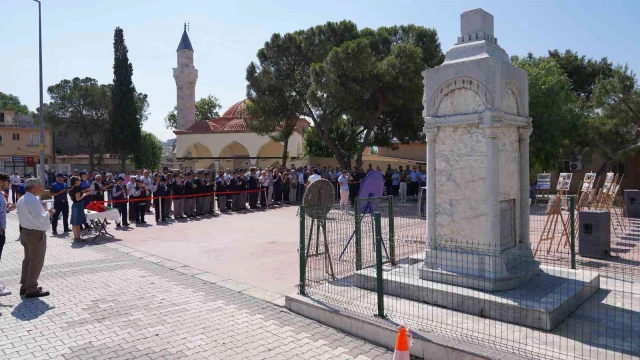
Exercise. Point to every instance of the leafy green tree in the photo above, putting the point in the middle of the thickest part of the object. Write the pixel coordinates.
(125, 128)
(369, 78)
(12, 102)
(314, 145)
(271, 110)
(149, 155)
(616, 125)
(559, 128)
(82, 106)
(171, 120)
(207, 108)
(583, 73)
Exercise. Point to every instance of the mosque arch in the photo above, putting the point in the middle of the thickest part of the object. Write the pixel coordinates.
(197, 150)
(231, 150)
(270, 149)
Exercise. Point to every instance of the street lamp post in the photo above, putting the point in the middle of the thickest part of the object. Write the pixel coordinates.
(41, 112)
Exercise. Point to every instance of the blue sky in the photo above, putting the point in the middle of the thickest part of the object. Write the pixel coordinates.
(78, 37)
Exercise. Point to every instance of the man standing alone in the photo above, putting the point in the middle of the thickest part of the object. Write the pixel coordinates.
(15, 184)
(34, 220)
(60, 203)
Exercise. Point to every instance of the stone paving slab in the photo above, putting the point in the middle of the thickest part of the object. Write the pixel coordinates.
(107, 304)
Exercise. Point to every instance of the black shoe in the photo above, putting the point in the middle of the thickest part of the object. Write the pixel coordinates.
(125, 224)
(24, 291)
(37, 293)
(67, 230)
(137, 222)
(54, 232)
(144, 222)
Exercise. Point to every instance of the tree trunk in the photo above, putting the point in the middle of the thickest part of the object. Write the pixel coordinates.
(123, 162)
(53, 147)
(284, 152)
(363, 145)
(91, 162)
(333, 147)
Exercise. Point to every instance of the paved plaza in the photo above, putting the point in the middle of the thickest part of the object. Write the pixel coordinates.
(109, 300)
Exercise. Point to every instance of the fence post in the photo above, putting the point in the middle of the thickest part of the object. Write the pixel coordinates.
(358, 219)
(572, 245)
(392, 241)
(379, 280)
(303, 258)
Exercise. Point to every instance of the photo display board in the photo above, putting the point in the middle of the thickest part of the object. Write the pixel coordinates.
(543, 181)
(564, 181)
(587, 183)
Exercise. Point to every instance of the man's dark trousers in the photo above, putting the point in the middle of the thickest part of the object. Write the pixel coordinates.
(14, 192)
(60, 207)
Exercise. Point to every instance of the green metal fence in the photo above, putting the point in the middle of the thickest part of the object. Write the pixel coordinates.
(368, 264)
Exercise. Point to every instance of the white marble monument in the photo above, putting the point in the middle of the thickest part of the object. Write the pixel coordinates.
(479, 259)
(477, 124)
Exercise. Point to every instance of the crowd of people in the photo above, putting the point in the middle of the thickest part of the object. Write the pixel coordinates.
(189, 194)
(171, 194)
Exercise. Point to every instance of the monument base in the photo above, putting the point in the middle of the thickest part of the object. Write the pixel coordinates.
(479, 269)
(542, 302)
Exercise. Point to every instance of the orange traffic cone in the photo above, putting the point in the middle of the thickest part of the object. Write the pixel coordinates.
(402, 345)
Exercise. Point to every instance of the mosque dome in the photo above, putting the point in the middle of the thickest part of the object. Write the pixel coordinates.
(232, 121)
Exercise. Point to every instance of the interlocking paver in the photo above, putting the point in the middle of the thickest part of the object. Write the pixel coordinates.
(108, 304)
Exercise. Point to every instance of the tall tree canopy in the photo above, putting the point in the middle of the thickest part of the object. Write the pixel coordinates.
(12, 102)
(125, 128)
(558, 125)
(149, 155)
(368, 78)
(583, 72)
(616, 126)
(207, 108)
(272, 111)
(81, 105)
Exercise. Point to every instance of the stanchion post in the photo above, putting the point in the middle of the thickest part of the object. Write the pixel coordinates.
(160, 208)
(358, 224)
(392, 241)
(303, 259)
(572, 244)
(379, 280)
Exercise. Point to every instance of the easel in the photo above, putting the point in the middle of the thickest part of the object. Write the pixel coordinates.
(541, 192)
(367, 210)
(554, 213)
(319, 224)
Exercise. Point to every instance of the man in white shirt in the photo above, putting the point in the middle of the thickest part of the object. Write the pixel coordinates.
(316, 175)
(343, 183)
(15, 184)
(35, 221)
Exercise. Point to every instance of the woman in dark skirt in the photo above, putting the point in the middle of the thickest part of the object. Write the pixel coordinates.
(77, 209)
(277, 186)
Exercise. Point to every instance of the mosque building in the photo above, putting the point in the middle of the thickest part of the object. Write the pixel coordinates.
(225, 142)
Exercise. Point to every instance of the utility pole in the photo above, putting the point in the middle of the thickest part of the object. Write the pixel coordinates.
(43, 176)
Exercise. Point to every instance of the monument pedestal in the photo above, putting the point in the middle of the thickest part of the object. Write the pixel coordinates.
(477, 269)
(541, 302)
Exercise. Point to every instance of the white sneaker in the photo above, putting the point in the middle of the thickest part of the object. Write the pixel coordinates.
(4, 291)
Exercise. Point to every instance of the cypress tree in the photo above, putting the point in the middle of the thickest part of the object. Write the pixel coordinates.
(125, 128)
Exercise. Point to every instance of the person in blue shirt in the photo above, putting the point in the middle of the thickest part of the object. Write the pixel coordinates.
(395, 182)
(415, 181)
(59, 191)
(85, 184)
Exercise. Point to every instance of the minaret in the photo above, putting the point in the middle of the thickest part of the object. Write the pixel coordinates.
(186, 76)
